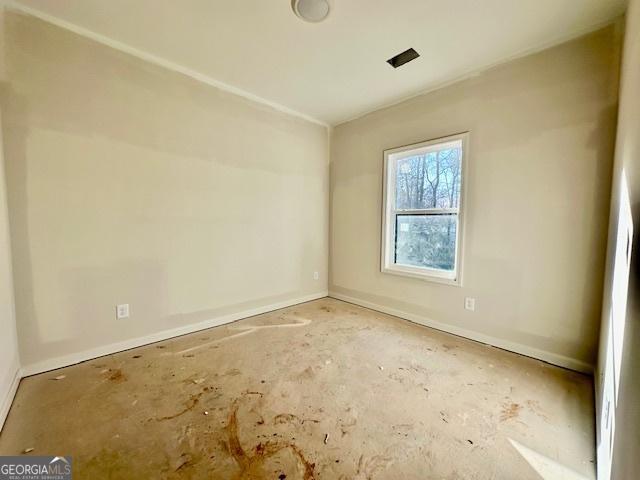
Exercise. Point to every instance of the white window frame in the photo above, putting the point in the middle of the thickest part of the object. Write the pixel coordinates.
(389, 212)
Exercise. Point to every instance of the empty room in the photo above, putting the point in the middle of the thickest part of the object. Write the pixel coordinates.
(320, 239)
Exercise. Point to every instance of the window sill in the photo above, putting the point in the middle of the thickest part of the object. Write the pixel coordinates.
(432, 276)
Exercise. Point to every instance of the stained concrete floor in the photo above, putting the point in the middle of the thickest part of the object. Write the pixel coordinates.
(322, 390)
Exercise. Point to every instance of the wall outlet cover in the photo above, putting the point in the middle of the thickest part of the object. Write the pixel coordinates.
(470, 303)
(122, 311)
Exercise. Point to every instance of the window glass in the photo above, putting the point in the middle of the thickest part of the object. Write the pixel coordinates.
(430, 180)
(426, 241)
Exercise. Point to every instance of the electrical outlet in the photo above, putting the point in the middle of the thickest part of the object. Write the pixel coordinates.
(316, 275)
(470, 303)
(122, 311)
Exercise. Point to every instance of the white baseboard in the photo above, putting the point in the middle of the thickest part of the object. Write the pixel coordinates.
(9, 395)
(72, 359)
(549, 357)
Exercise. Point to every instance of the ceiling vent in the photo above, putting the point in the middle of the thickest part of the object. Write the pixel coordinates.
(403, 58)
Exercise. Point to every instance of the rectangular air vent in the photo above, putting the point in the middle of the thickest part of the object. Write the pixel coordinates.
(403, 58)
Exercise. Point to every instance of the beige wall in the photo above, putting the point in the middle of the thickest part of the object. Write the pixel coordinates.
(627, 163)
(539, 171)
(128, 183)
(9, 355)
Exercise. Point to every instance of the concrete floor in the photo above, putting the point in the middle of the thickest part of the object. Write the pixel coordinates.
(322, 390)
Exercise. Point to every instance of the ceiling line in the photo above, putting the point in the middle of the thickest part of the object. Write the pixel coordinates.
(200, 77)
(480, 70)
(154, 59)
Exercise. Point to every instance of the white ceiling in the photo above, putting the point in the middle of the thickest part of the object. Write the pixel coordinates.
(335, 70)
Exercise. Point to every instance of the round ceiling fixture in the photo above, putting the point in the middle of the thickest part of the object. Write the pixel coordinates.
(311, 10)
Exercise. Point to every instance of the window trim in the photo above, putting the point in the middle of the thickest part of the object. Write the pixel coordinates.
(387, 265)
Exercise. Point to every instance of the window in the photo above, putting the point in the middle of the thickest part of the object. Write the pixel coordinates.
(423, 195)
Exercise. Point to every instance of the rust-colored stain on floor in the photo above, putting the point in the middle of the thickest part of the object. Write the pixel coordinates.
(253, 464)
(322, 390)
(509, 411)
